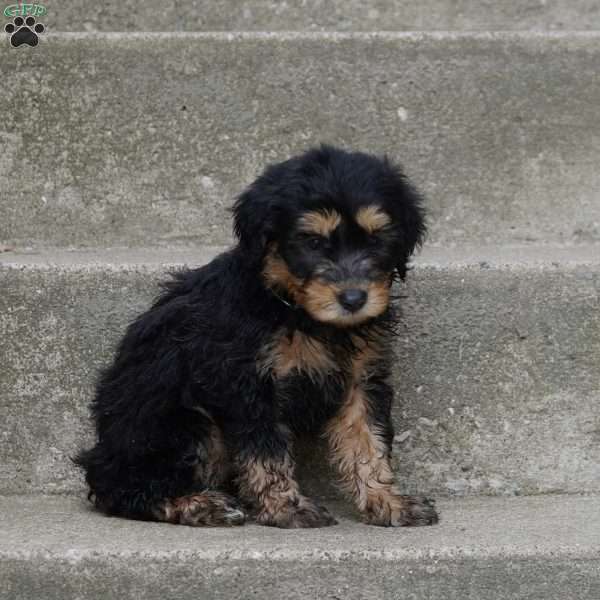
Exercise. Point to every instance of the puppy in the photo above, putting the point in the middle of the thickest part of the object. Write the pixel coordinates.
(288, 333)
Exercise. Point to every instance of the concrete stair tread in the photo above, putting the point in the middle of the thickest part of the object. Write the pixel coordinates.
(527, 547)
(524, 256)
(475, 526)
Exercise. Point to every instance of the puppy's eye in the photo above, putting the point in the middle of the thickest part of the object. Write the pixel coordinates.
(315, 243)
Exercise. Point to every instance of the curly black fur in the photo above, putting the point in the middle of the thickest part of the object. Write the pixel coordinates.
(190, 363)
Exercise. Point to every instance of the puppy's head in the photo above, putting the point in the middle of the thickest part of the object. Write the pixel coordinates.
(329, 229)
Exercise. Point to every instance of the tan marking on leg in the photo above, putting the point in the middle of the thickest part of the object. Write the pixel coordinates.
(215, 468)
(271, 487)
(360, 454)
(372, 218)
(319, 222)
(362, 458)
(269, 483)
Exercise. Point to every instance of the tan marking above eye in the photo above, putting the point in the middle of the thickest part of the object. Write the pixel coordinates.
(319, 222)
(372, 218)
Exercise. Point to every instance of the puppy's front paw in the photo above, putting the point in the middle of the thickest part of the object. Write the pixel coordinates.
(298, 515)
(395, 510)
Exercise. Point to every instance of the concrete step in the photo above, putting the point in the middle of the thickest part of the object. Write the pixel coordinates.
(494, 548)
(145, 139)
(298, 15)
(498, 378)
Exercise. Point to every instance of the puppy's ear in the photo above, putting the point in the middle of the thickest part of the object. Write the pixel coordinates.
(409, 215)
(253, 221)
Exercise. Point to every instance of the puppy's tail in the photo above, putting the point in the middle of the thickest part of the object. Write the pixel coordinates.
(116, 489)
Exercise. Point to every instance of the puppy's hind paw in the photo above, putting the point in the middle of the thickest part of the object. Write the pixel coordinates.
(205, 509)
(235, 516)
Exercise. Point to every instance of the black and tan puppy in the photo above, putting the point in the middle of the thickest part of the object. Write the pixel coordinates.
(285, 334)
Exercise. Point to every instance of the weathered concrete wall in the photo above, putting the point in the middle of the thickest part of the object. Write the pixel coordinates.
(497, 377)
(336, 15)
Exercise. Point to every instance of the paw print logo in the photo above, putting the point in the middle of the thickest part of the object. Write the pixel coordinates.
(24, 31)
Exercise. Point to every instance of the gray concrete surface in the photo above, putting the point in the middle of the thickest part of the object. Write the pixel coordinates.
(139, 139)
(498, 549)
(336, 15)
(497, 376)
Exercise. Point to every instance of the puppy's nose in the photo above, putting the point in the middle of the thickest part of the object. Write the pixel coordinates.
(352, 300)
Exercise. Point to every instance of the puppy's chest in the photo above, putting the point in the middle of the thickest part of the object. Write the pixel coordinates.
(312, 376)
